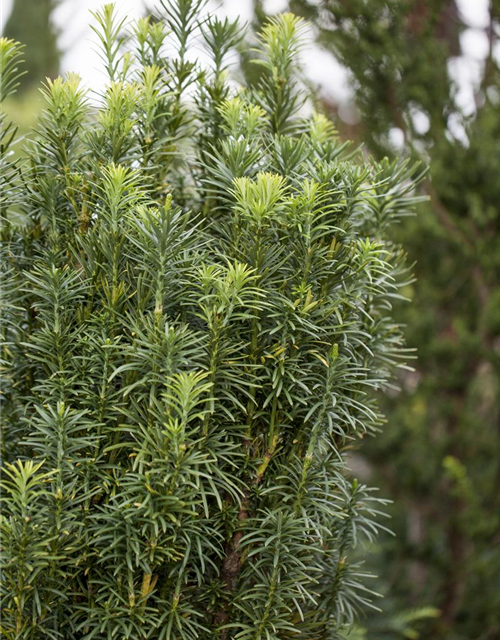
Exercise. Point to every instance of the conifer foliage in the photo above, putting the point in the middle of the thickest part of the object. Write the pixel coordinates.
(196, 314)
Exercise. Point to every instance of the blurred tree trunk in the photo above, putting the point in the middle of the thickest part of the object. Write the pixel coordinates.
(31, 24)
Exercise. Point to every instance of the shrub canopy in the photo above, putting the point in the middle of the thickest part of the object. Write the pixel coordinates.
(196, 314)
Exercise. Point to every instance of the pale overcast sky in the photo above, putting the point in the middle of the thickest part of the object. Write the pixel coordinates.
(78, 43)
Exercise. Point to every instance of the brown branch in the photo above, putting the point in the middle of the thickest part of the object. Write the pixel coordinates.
(232, 563)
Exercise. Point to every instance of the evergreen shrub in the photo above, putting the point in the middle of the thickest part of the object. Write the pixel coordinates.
(196, 317)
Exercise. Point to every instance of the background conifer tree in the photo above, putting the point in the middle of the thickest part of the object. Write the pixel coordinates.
(196, 315)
